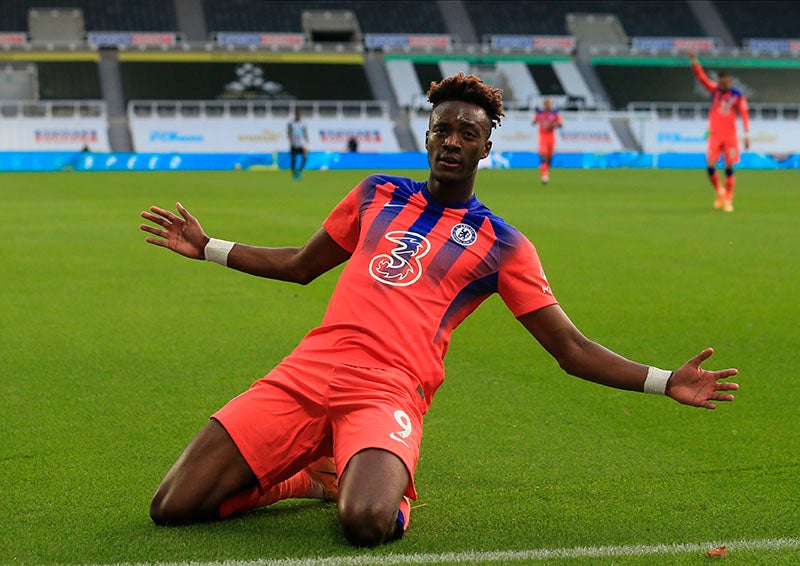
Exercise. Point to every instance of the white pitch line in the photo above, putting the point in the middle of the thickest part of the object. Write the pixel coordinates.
(486, 557)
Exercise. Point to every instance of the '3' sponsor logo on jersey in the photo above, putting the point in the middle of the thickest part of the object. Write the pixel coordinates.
(401, 266)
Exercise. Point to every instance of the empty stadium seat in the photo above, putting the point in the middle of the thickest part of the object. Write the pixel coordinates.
(99, 15)
(400, 16)
(656, 18)
(761, 18)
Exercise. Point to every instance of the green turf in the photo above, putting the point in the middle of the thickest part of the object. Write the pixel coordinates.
(114, 353)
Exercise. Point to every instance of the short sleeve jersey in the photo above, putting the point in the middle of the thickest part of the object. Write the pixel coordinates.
(297, 133)
(417, 269)
(725, 106)
(548, 120)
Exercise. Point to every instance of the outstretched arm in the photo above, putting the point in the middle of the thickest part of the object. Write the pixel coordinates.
(184, 235)
(586, 359)
(700, 74)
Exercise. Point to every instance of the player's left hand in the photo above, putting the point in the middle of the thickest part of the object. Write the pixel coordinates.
(747, 142)
(692, 385)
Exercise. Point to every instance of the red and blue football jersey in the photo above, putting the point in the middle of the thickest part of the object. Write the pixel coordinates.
(418, 268)
(725, 106)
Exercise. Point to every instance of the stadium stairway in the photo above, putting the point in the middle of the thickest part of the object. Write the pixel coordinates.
(712, 23)
(457, 21)
(191, 19)
(119, 137)
(378, 79)
(622, 127)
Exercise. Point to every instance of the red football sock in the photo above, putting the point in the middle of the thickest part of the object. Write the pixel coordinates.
(730, 181)
(299, 485)
(714, 178)
(544, 168)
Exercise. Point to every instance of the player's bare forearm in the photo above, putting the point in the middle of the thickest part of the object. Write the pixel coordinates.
(295, 264)
(183, 234)
(271, 263)
(579, 356)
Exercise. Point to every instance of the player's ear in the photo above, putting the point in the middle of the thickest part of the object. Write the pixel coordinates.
(427, 133)
(487, 147)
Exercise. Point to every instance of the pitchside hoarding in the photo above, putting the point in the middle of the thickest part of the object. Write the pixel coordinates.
(54, 134)
(257, 135)
(771, 137)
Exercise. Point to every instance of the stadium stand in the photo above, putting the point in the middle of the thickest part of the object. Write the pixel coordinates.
(760, 18)
(656, 18)
(669, 82)
(402, 16)
(68, 80)
(189, 80)
(98, 15)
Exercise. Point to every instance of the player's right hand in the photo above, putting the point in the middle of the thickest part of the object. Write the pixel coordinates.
(182, 234)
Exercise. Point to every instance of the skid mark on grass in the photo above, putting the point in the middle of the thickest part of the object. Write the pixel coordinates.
(486, 557)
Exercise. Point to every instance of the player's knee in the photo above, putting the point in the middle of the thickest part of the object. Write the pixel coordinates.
(367, 524)
(729, 171)
(166, 509)
(160, 511)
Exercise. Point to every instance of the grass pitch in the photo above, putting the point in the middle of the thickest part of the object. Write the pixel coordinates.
(114, 353)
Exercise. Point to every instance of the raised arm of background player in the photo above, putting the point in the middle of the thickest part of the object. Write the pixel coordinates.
(700, 74)
(184, 235)
(711, 87)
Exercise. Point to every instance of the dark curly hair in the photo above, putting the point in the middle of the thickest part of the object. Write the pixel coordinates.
(469, 88)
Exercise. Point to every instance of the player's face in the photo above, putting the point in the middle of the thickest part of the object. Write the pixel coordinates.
(724, 83)
(456, 140)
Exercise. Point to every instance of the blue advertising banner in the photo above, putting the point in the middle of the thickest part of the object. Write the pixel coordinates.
(323, 161)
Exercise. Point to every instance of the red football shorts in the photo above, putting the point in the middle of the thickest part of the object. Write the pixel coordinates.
(726, 147)
(547, 144)
(305, 409)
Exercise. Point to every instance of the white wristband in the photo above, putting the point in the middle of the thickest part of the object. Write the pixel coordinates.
(218, 250)
(656, 382)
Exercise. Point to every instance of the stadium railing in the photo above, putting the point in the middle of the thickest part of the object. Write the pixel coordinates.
(258, 108)
(690, 111)
(53, 109)
(682, 51)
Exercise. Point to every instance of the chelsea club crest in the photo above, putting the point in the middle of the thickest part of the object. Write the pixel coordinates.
(464, 234)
